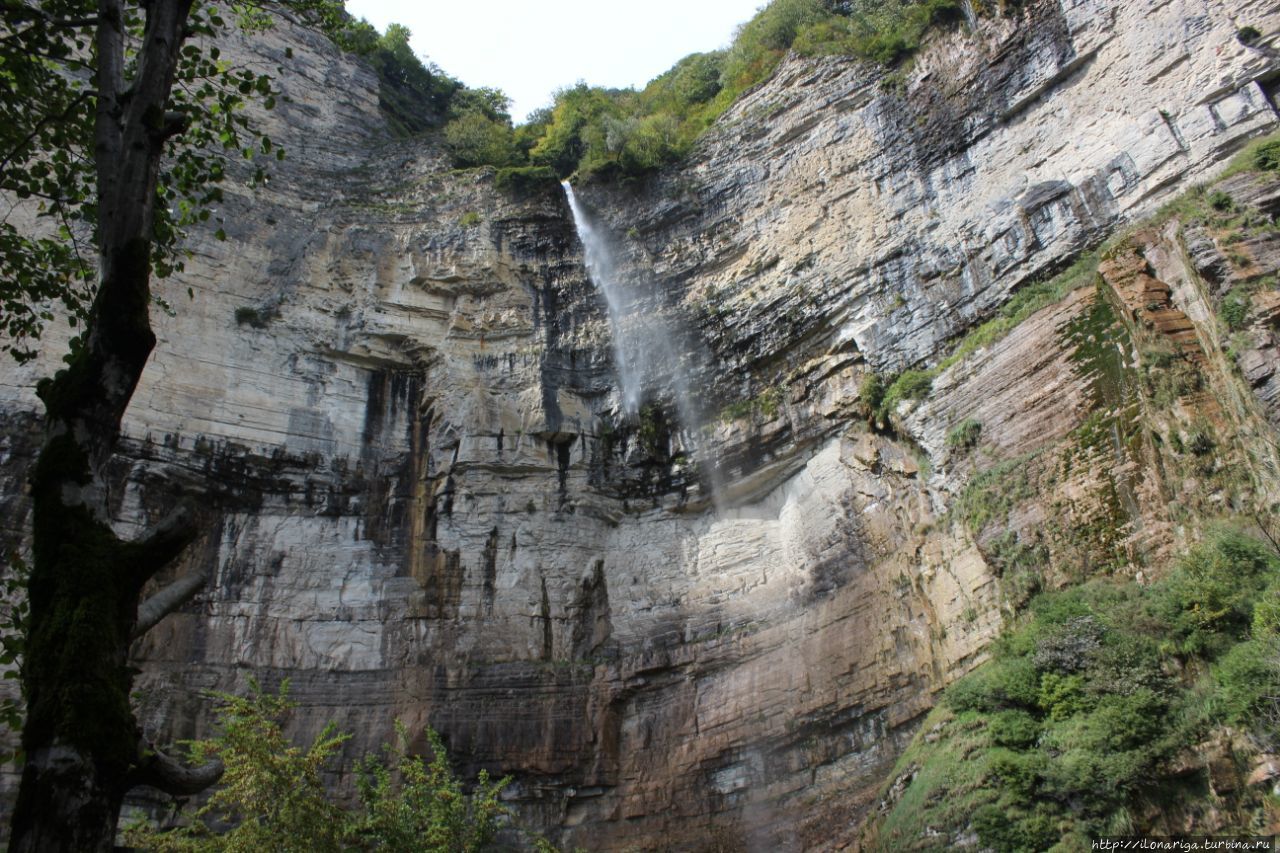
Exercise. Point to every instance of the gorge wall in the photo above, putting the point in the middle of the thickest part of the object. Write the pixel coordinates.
(393, 392)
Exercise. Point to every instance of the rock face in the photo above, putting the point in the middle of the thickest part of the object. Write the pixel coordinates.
(394, 388)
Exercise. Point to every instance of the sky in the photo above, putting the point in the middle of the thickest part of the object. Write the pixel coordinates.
(530, 48)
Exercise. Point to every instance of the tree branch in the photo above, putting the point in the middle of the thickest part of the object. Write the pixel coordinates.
(174, 124)
(41, 125)
(166, 541)
(159, 771)
(44, 19)
(167, 600)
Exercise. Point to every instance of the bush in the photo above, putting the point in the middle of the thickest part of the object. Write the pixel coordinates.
(624, 133)
(1235, 308)
(1266, 613)
(1062, 696)
(1071, 723)
(272, 792)
(1106, 753)
(1070, 647)
(274, 797)
(871, 393)
(1005, 684)
(475, 139)
(964, 435)
(1248, 679)
(1248, 35)
(1216, 583)
(412, 804)
(909, 385)
(761, 43)
(523, 181)
(1015, 728)
(884, 31)
(1267, 156)
(1013, 830)
(1220, 201)
(413, 95)
(247, 315)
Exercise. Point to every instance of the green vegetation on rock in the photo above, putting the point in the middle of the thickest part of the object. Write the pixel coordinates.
(1080, 723)
(526, 180)
(590, 131)
(274, 797)
(964, 435)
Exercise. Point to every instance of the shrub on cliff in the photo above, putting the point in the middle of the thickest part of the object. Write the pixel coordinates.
(1084, 710)
(1267, 156)
(882, 32)
(624, 133)
(525, 181)
(273, 793)
(474, 139)
(414, 95)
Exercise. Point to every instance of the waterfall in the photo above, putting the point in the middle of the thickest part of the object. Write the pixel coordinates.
(629, 354)
(646, 347)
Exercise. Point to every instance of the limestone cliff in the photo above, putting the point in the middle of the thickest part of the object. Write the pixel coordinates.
(393, 387)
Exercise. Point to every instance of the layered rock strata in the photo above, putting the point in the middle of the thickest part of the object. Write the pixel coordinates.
(393, 389)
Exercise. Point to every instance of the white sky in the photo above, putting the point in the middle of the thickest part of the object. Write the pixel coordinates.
(530, 48)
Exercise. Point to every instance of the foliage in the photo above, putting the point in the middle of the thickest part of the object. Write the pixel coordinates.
(1248, 680)
(47, 163)
(475, 139)
(575, 134)
(871, 393)
(14, 619)
(883, 32)
(592, 131)
(1083, 706)
(1220, 201)
(425, 808)
(274, 797)
(761, 43)
(254, 318)
(1266, 157)
(522, 181)
(272, 791)
(964, 435)
(413, 95)
(908, 385)
(1248, 35)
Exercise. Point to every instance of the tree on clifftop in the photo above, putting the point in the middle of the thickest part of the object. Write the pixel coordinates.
(115, 123)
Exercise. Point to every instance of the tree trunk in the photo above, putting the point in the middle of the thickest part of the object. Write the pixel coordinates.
(81, 739)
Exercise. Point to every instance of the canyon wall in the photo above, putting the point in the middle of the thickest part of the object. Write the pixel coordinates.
(393, 391)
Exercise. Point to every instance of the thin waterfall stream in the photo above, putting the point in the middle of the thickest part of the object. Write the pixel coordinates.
(629, 350)
(646, 347)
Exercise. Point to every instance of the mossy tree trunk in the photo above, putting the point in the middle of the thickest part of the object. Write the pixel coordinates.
(83, 747)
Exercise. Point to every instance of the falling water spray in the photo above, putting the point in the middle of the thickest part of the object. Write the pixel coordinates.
(645, 345)
(627, 350)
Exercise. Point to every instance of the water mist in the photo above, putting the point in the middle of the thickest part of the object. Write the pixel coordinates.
(646, 347)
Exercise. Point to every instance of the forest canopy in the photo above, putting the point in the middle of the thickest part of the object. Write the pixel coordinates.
(595, 132)
(590, 131)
